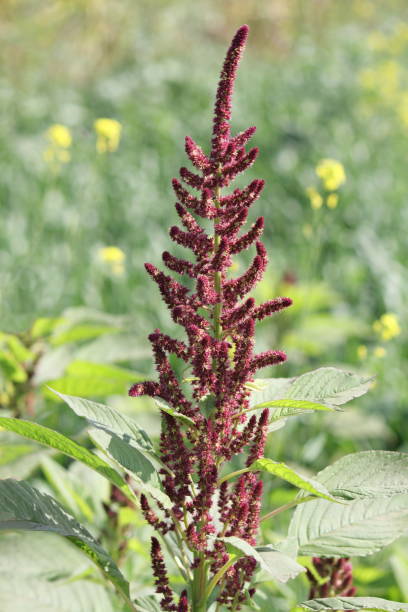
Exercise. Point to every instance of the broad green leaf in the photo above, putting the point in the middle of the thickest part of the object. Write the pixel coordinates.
(53, 573)
(60, 481)
(123, 440)
(24, 507)
(12, 369)
(177, 415)
(11, 452)
(53, 439)
(322, 389)
(17, 348)
(150, 603)
(367, 474)
(113, 349)
(101, 416)
(87, 368)
(355, 603)
(52, 364)
(281, 470)
(44, 326)
(357, 528)
(128, 455)
(85, 378)
(281, 567)
(79, 333)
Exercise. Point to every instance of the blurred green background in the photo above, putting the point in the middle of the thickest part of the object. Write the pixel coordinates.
(321, 79)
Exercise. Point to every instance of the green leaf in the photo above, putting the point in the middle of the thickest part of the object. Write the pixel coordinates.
(12, 452)
(281, 470)
(53, 439)
(85, 378)
(110, 349)
(367, 474)
(101, 416)
(177, 415)
(24, 507)
(44, 326)
(12, 369)
(281, 567)
(17, 348)
(355, 603)
(357, 528)
(53, 573)
(322, 389)
(123, 440)
(150, 603)
(60, 481)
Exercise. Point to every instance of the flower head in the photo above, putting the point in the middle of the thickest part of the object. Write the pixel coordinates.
(217, 319)
(59, 141)
(316, 200)
(114, 259)
(331, 173)
(108, 134)
(387, 326)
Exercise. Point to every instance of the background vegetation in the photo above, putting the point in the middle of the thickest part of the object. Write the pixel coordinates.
(320, 79)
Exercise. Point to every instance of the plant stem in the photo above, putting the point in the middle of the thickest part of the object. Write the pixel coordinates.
(292, 504)
(232, 475)
(219, 575)
(199, 587)
(217, 275)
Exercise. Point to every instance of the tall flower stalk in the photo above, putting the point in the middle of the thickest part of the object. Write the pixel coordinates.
(212, 424)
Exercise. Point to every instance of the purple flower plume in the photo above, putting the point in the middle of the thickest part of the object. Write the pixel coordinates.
(217, 317)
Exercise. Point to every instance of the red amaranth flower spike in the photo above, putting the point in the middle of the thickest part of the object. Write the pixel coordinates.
(217, 322)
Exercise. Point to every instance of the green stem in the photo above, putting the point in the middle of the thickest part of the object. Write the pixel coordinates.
(199, 584)
(292, 504)
(217, 275)
(233, 474)
(219, 575)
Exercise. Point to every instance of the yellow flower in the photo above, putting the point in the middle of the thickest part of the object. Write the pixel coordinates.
(114, 258)
(387, 326)
(60, 140)
(316, 200)
(382, 80)
(59, 136)
(362, 351)
(379, 352)
(331, 173)
(108, 134)
(332, 200)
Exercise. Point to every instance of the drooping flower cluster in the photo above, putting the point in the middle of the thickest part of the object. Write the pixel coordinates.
(219, 336)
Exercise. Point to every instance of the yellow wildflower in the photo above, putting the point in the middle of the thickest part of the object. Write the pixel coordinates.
(362, 351)
(60, 140)
(387, 326)
(108, 134)
(316, 200)
(331, 172)
(332, 200)
(114, 258)
(379, 352)
(382, 80)
(59, 136)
